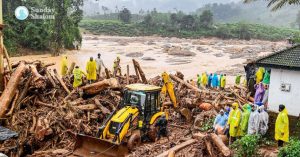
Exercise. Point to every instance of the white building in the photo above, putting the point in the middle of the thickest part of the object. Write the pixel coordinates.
(285, 79)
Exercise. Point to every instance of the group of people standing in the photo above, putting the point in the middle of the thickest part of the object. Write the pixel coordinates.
(93, 70)
(211, 81)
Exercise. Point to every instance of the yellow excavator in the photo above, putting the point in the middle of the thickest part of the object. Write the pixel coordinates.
(124, 129)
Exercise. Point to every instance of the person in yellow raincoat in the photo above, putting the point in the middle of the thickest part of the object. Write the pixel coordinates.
(234, 121)
(259, 74)
(204, 80)
(91, 70)
(223, 82)
(282, 126)
(64, 65)
(243, 128)
(78, 74)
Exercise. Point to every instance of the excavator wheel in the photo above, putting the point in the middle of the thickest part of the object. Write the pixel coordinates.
(133, 141)
(153, 131)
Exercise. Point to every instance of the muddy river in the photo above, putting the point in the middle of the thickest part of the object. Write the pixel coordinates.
(191, 57)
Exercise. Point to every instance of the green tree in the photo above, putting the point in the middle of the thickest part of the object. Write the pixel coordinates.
(148, 20)
(125, 15)
(188, 22)
(206, 19)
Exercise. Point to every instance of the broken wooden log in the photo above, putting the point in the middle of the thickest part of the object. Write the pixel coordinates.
(171, 153)
(38, 81)
(70, 71)
(62, 83)
(24, 91)
(101, 85)
(209, 148)
(178, 147)
(13, 106)
(176, 79)
(7, 58)
(88, 107)
(140, 71)
(50, 79)
(10, 90)
(221, 146)
(103, 109)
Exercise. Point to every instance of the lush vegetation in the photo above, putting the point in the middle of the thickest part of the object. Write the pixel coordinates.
(43, 34)
(292, 149)
(190, 30)
(247, 146)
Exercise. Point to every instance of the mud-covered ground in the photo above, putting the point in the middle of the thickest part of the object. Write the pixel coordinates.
(157, 54)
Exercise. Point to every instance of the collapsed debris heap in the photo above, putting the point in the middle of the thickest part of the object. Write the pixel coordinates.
(46, 111)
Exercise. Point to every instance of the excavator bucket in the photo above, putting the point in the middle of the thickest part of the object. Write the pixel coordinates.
(94, 147)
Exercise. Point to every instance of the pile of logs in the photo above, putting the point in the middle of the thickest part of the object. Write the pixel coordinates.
(45, 110)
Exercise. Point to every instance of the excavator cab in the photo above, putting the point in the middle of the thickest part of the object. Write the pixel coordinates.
(125, 127)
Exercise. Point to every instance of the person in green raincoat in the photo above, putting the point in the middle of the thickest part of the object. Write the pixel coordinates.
(198, 81)
(64, 65)
(266, 79)
(282, 126)
(238, 79)
(223, 82)
(243, 128)
(234, 121)
(78, 74)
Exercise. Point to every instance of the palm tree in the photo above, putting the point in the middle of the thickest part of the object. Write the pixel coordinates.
(277, 4)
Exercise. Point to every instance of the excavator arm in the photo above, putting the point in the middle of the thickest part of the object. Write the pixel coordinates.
(168, 87)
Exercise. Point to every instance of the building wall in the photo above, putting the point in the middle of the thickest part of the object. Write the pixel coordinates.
(290, 99)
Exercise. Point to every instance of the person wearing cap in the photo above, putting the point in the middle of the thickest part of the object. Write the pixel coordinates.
(282, 126)
(253, 123)
(243, 128)
(100, 64)
(234, 121)
(162, 124)
(91, 69)
(220, 122)
(64, 65)
(78, 74)
(263, 120)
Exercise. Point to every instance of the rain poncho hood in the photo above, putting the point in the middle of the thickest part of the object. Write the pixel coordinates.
(282, 126)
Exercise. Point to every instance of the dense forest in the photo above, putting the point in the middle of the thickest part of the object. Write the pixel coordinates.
(43, 34)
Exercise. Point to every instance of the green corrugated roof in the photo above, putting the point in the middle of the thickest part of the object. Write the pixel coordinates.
(288, 58)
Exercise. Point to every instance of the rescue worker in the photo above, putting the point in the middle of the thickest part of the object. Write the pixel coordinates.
(266, 79)
(220, 122)
(259, 74)
(266, 97)
(91, 69)
(64, 65)
(282, 126)
(259, 93)
(192, 82)
(78, 74)
(210, 77)
(234, 121)
(204, 80)
(162, 124)
(198, 81)
(223, 82)
(253, 124)
(100, 64)
(243, 128)
(263, 120)
(219, 83)
(117, 67)
(238, 79)
(215, 81)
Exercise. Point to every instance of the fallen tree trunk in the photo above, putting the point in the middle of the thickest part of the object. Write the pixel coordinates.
(209, 148)
(88, 107)
(140, 70)
(221, 146)
(10, 90)
(176, 79)
(99, 86)
(50, 79)
(178, 147)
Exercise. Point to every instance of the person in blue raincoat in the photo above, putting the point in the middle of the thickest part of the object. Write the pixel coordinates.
(215, 81)
(220, 122)
(209, 80)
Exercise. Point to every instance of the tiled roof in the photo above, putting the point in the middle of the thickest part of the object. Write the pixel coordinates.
(288, 58)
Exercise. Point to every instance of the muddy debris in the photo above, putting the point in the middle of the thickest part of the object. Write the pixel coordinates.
(178, 51)
(135, 54)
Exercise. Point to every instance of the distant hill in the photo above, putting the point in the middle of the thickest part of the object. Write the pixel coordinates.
(256, 12)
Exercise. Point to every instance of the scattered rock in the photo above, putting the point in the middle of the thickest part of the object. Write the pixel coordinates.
(135, 54)
(178, 51)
